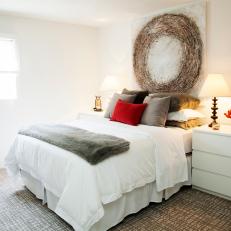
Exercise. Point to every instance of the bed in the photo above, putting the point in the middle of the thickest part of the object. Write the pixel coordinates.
(97, 197)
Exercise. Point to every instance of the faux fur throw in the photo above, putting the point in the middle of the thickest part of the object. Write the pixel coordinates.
(92, 147)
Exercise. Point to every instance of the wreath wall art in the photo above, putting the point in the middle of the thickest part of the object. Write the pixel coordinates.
(168, 53)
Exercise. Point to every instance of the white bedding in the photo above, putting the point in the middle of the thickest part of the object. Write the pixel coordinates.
(187, 138)
(155, 154)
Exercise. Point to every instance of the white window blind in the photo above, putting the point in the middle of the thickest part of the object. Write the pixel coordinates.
(9, 68)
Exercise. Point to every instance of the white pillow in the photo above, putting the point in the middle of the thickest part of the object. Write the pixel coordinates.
(184, 115)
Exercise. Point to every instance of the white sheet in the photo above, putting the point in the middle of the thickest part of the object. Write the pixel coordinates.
(155, 154)
(187, 138)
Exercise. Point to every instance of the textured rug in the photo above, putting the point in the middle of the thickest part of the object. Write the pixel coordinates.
(187, 210)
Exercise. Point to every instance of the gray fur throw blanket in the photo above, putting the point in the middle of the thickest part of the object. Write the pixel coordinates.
(92, 147)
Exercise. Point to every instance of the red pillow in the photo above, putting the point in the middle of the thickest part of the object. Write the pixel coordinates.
(128, 113)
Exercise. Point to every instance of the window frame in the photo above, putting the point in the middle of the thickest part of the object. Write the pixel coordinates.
(4, 36)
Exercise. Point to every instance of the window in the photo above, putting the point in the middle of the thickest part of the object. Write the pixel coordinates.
(9, 68)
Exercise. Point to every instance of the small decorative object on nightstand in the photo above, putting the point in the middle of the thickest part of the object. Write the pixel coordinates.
(215, 86)
(228, 114)
(211, 160)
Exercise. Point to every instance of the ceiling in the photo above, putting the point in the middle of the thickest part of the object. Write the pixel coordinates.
(87, 12)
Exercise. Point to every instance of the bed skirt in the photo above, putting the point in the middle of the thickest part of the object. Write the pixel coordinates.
(116, 211)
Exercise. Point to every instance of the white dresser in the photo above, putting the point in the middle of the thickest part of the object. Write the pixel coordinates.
(211, 160)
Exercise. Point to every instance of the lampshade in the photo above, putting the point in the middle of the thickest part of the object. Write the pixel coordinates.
(215, 86)
(110, 83)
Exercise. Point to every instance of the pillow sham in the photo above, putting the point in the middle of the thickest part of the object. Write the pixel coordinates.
(156, 112)
(140, 95)
(184, 115)
(179, 101)
(114, 99)
(128, 113)
(186, 124)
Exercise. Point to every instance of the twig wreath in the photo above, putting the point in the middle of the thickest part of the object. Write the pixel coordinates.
(185, 30)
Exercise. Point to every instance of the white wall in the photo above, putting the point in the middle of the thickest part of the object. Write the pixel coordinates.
(59, 73)
(116, 45)
(116, 52)
(219, 48)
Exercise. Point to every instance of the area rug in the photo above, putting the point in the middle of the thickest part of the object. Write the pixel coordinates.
(187, 210)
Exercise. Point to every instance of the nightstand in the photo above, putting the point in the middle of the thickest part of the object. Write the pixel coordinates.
(91, 114)
(211, 160)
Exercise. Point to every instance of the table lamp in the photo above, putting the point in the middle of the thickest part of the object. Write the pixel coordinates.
(215, 86)
(109, 85)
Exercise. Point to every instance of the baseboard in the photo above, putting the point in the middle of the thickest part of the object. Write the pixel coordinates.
(211, 192)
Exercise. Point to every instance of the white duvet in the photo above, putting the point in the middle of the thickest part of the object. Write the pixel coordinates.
(155, 154)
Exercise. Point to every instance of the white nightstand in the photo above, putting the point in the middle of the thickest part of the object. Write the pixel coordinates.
(90, 114)
(211, 160)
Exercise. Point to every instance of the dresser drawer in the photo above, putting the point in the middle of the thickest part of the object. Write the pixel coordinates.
(216, 183)
(212, 143)
(212, 163)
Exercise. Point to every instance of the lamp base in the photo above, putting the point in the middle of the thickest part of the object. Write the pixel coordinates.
(214, 116)
(98, 109)
(212, 124)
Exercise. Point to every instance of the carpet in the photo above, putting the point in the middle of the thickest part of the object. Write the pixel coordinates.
(187, 210)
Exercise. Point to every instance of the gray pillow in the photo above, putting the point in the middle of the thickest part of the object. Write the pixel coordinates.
(156, 112)
(114, 99)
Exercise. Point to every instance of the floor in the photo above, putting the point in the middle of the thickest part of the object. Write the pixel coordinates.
(187, 210)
